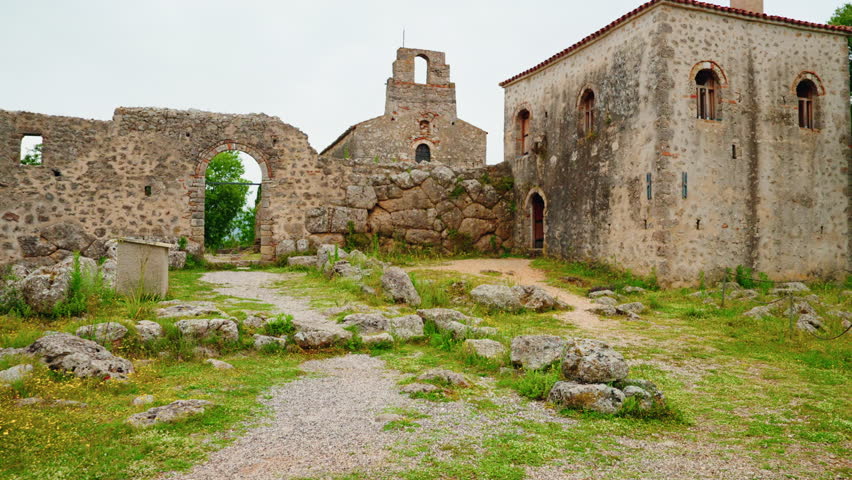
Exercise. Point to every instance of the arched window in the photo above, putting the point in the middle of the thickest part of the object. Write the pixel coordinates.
(587, 111)
(523, 123)
(423, 153)
(421, 69)
(424, 127)
(706, 86)
(806, 90)
(537, 207)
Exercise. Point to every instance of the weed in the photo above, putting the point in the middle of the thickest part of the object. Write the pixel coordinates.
(282, 325)
(533, 384)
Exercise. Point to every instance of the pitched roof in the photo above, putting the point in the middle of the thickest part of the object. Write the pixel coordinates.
(646, 6)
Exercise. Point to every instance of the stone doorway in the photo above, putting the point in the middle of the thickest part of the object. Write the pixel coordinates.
(537, 205)
(263, 222)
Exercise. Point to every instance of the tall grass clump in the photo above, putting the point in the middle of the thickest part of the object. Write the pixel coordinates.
(86, 290)
(534, 384)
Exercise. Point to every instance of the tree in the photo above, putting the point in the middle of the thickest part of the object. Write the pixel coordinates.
(223, 203)
(33, 157)
(843, 16)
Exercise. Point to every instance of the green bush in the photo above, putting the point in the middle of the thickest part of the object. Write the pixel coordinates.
(534, 384)
(282, 325)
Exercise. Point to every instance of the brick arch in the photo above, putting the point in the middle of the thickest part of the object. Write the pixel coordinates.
(721, 76)
(808, 75)
(198, 192)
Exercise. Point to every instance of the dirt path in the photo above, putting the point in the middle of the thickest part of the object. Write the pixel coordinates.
(252, 285)
(519, 271)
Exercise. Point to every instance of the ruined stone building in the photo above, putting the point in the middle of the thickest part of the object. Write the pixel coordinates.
(420, 122)
(687, 137)
(683, 138)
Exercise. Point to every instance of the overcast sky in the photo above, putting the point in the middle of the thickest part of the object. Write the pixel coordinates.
(318, 65)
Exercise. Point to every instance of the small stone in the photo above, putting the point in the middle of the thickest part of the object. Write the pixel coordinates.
(597, 397)
(592, 361)
(412, 388)
(446, 376)
(311, 339)
(178, 308)
(634, 307)
(29, 401)
(534, 352)
(102, 332)
(261, 341)
(499, 297)
(601, 293)
(143, 400)
(149, 331)
(406, 327)
(205, 328)
(605, 310)
(809, 323)
(255, 321)
(16, 373)
(84, 358)
(69, 403)
(759, 312)
(218, 364)
(303, 261)
(606, 301)
(367, 323)
(173, 412)
(632, 289)
(378, 339)
(397, 284)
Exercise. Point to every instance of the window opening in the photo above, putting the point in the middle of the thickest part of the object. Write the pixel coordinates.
(421, 67)
(806, 91)
(31, 150)
(423, 153)
(538, 221)
(524, 130)
(706, 94)
(587, 111)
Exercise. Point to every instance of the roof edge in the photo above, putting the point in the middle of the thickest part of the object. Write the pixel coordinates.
(644, 8)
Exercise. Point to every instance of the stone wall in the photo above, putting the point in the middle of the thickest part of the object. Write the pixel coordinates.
(779, 204)
(431, 205)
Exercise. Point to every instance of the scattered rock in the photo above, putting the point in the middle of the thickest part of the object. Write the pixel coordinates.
(82, 357)
(498, 297)
(255, 321)
(598, 398)
(378, 339)
(635, 307)
(645, 392)
(310, 339)
(47, 287)
(303, 261)
(407, 327)
(344, 269)
(413, 388)
(446, 376)
(8, 352)
(69, 403)
(485, 348)
(601, 293)
(285, 247)
(24, 402)
(592, 361)
(173, 412)
(180, 308)
(790, 288)
(102, 332)
(809, 323)
(203, 351)
(205, 328)
(367, 323)
(609, 301)
(149, 331)
(218, 364)
(534, 352)
(261, 341)
(397, 284)
(759, 312)
(605, 310)
(632, 289)
(536, 298)
(16, 373)
(142, 400)
(441, 316)
(328, 254)
(800, 308)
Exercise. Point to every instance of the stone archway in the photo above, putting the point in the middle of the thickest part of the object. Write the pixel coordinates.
(537, 206)
(198, 189)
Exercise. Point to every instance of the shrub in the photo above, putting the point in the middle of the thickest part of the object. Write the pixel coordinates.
(282, 325)
(535, 384)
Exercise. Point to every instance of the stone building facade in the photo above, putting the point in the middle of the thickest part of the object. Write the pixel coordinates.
(685, 138)
(420, 123)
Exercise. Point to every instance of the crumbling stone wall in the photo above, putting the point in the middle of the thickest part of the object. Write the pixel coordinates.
(780, 206)
(431, 205)
(415, 114)
(142, 175)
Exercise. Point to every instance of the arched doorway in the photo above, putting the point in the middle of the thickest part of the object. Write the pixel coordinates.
(537, 215)
(423, 153)
(236, 177)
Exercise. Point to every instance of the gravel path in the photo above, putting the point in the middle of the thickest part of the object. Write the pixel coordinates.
(320, 425)
(259, 286)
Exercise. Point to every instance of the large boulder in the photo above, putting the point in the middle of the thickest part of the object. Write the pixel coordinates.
(367, 323)
(361, 197)
(173, 412)
(180, 308)
(536, 298)
(406, 327)
(204, 328)
(46, 287)
(498, 297)
(598, 397)
(67, 236)
(592, 361)
(84, 358)
(534, 352)
(485, 348)
(398, 285)
(102, 332)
